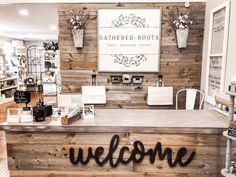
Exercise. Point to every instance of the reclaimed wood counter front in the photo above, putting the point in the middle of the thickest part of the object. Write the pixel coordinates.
(45, 149)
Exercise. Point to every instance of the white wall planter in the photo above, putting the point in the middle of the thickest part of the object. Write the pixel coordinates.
(182, 37)
(78, 36)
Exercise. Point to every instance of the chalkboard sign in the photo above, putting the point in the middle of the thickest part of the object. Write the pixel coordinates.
(216, 59)
(214, 80)
(218, 31)
(22, 97)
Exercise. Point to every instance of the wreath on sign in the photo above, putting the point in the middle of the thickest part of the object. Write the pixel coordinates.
(130, 19)
(134, 21)
(127, 61)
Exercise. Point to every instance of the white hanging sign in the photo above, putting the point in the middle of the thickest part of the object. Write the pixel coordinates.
(129, 40)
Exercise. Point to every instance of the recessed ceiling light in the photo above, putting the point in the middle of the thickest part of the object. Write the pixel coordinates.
(53, 27)
(24, 12)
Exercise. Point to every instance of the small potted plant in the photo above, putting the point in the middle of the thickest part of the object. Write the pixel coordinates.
(76, 22)
(181, 22)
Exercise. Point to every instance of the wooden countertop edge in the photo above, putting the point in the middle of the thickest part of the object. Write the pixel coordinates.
(112, 129)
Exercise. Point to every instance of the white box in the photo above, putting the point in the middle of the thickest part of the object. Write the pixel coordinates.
(160, 96)
(94, 94)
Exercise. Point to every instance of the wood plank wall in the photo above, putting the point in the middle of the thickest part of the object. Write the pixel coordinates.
(181, 68)
(47, 154)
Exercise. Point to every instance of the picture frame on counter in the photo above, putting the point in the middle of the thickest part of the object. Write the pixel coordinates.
(129, 40)
(88, 111)
(217, 52)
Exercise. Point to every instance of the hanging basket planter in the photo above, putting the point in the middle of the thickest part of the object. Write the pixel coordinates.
(182, 37)
(78, 37)
(76, 22)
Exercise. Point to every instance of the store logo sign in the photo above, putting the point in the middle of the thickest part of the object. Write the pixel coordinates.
(137, 154)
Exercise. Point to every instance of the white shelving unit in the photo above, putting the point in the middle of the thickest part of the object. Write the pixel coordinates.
(4, 86)
(225, 171)
(50, 84)
(19, 56)
(8, 88)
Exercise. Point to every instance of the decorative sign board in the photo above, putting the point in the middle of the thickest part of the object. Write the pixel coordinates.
(218, 31)
(129, 40)
(22, 97)
(217, 48)
(214, 79)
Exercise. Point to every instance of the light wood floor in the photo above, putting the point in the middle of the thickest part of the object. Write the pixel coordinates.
(3, 114)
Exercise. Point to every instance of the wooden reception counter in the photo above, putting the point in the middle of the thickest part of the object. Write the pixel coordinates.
(120, 143)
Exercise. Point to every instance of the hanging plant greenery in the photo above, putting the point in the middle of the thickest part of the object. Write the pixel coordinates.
(51, 46)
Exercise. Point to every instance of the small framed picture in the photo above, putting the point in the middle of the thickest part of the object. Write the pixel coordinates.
(88, 111)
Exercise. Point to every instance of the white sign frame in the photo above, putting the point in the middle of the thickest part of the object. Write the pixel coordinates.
(88, 111)
(209, 98)
(109, 58)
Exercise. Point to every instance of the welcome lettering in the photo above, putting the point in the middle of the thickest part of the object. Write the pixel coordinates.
(137, 154)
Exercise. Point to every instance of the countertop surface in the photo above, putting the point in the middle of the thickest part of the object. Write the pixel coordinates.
(133, 120)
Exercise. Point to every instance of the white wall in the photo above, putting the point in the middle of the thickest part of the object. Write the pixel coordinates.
(231, 52)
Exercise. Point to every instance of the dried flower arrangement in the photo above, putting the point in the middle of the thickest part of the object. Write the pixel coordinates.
(51, 46)
(77, 20)
(180, 20)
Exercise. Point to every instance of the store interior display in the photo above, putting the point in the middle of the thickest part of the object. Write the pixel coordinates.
(138, 81)
(8, 82)
(28, 66)
(38, 112)
(19, 60)
(49, 77)
(23, 113)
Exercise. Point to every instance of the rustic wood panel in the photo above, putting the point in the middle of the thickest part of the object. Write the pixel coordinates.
(46, 154)
(100, 174)
(181, 68)
(61, 151)
(19, 173)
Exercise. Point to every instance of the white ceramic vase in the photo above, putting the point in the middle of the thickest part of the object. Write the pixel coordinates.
(78, 36)
(182, 37)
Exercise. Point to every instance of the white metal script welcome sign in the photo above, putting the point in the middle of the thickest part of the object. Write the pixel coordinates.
(129, 40)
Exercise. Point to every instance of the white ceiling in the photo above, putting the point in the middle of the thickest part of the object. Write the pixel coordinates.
(42, 14)
(35, 26)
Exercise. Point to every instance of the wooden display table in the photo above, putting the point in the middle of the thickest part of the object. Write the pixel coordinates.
(49, 149)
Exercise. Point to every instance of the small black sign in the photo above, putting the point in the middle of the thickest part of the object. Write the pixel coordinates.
(22, 97)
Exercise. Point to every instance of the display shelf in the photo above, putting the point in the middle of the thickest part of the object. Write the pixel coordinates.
(231, 93)
(4, 81)
(8, 88)
(48, 82)
(226, 174)
(7, 79)
(225, 133)
(6, 100)
(48, 95)
(224, 171)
